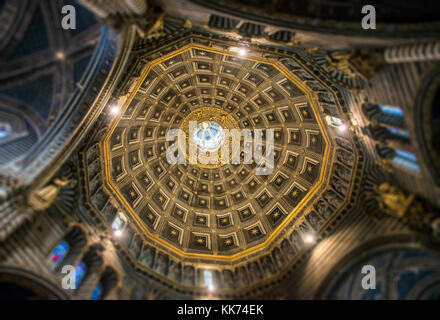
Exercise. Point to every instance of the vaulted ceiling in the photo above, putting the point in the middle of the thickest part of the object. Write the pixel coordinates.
(40, 66)
(222, 217)
(235, 65)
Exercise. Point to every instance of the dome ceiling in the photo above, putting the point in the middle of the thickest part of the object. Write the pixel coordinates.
(224, 211)
(224, 216)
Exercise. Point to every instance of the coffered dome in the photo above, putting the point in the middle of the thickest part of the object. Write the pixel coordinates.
(188, 149)
(225, 214)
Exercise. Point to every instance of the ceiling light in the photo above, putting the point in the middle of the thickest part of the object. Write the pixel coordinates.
(59, 55)
(342, 128)
(310, 239)
(240, 50)
(114, 110)
(118, 233)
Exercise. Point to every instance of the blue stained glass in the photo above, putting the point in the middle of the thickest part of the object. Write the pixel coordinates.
(96, 294)
(117, 223)
(392, 111)
(406, 164)
(80, 272)
(403, 133)
(407, 160)
(5, 130)
(406, 155)
(58, 254)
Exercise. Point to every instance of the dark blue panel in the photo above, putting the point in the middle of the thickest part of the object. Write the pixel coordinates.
(36, 93)
(34, 39)
(408, 280)
(84, 18)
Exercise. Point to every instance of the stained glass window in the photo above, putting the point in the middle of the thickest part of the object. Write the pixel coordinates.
(5, 130)
(58, 254)
(406, 160)
(406, 155)
(97, 292)
(207, 279)
(392, 111)
(118, 222)
(80, 272)
(391, 115)
(399, 132)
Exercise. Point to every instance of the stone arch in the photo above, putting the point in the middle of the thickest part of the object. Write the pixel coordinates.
(404, 270)
(20, 284)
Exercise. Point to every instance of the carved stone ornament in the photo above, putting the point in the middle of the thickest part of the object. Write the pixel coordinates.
(392, 201)
(43, 198)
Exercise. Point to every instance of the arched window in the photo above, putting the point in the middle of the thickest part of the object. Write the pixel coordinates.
(391, 110)
(97, 292)
(58, 254)
(385, 114)
(407, 160)
(69, 249)
(391, 115)
(80, 272)
(106, 283)
(208, 280)
(403, 273)
(5, 130)
(398, 132)
(382, 133)
(401, 158)
(118, 222)
(87, 272)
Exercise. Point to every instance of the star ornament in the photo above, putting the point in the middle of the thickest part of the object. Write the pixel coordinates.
(255, 231)
(200, 241)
